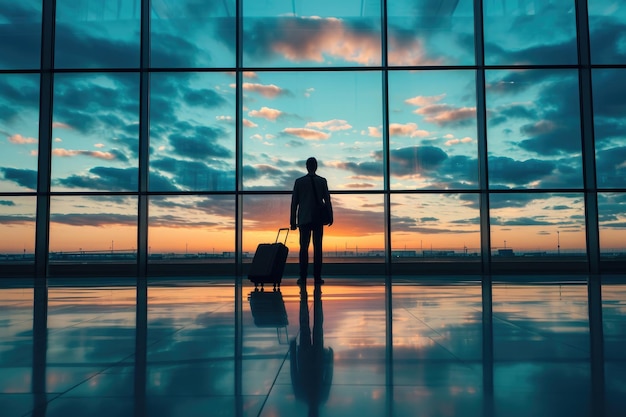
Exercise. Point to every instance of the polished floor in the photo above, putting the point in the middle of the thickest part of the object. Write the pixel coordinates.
(348, 348)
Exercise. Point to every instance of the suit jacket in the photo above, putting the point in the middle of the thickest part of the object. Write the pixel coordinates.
(303, 199)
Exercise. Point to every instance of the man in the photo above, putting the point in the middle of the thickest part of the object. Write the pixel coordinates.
(308, 191)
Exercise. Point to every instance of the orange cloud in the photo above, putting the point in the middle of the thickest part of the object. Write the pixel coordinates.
(266, 113)
(21, 140)
(331, 125)
(95, 154)
(442, 114)
(456, 141)
(269, 91)
(422, 101)
(308, 134)
(408, 129)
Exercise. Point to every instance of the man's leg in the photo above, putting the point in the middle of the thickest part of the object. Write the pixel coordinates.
(305, 240)
(318, 233)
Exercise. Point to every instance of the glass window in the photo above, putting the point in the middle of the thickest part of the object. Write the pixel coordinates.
(97, 34)
(19, 131)
(17, 229)
(192, 33)
(529, 32)
(20, 34)
(335, 117)
(534, 225)
(263, 215)
(607, 31)
(357, 234)
(95, 132)
(533, 129)
(93, 229)
(432, 129)
(427, 227)
(422, 33)
(609, 106)
(191, 228)
(612, 224)
(291, 33)
(192, 132)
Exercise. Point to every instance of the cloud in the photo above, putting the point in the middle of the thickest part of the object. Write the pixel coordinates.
(313, 39)
(333, 125)
(60, 152)
(249, 123)
(191, 175)
(504, 170)
(103, 178)
(416, 159)
(307, 134)
(94, 220)
(7, 203)
(422, 101)
(374, 132)
(269, 91)
(23, 177)
(17, 220)
(21, 140)
(408, 129)
(443, 114)
(204, 97)
(266, 113)
(455, 141)
(201, 145)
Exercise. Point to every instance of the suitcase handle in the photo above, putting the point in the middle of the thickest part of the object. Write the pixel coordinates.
(278, 235)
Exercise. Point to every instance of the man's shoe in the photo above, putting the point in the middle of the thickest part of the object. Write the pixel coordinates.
(319, 281)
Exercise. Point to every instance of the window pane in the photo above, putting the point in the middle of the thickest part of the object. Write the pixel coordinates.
(97, 34)
(432, 130)
(17, 229)
(192, 132)
(612, 223)
(430, 32)
(93, 229)
(19, 129)
(531, 225)
(95, 132)
(427, 227)
(533, 129)
(20, 34)
(357, 234)
(609, 106)
(193, 229)
(263, 215)
(530, 32)
(607, 31)
(290, 33)
(336, 117)
(188, 33)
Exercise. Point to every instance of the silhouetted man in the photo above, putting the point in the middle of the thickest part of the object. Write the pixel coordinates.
(309, 192)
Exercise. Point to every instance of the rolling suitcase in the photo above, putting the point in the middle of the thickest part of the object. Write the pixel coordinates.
(269, 261)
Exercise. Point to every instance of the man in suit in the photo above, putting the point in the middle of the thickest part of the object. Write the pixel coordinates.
(308, 191)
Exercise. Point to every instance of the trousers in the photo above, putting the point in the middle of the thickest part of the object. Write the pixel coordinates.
(306, 230)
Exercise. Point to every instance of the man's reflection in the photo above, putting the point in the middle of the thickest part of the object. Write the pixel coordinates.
(311, 363)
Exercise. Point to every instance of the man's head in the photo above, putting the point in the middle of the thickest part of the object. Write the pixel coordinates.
(311, 165)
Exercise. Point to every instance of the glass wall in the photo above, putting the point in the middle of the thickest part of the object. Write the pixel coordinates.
(451, 132)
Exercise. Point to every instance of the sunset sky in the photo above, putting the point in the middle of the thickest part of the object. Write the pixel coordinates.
(533, 122)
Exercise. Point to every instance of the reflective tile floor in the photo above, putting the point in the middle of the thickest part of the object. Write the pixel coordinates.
(347, 348)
